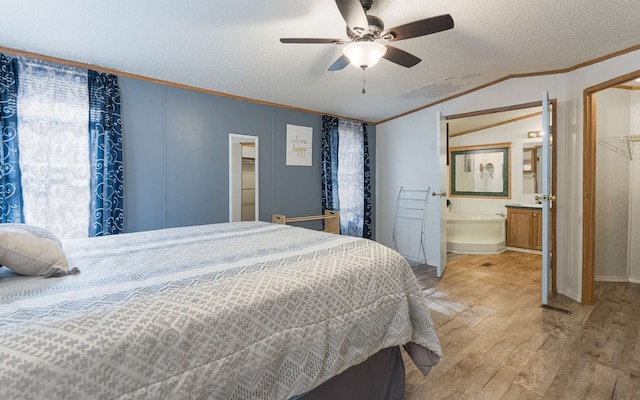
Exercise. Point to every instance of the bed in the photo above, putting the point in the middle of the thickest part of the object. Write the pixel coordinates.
(247, 310)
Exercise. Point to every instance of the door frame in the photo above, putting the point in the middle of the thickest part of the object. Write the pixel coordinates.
(554, 168)
(547, 190)
(589, 142)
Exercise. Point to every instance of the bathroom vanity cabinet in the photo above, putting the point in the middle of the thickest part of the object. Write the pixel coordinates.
(524, 227)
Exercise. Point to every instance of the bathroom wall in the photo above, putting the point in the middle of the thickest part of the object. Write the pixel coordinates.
(612, 187)
(514, 133)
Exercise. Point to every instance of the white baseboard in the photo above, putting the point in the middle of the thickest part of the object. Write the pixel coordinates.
(518, 249)
(617, 279)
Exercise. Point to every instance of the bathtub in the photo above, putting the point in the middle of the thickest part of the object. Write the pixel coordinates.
(469, 233)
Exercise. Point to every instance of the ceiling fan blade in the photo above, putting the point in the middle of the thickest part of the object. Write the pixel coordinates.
(339, 64)
(420, 28)
(311, 41)
(400, 57)
(354, 14)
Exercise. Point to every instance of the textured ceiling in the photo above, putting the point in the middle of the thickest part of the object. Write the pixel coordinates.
(232, 46)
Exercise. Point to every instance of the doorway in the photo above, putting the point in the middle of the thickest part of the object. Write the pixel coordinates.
(590, 138)
(243, 178)
(519, 120)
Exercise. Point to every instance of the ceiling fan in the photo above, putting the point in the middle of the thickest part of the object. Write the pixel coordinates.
(363, 50)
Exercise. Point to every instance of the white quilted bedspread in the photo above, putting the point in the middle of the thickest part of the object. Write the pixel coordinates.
(224, 311)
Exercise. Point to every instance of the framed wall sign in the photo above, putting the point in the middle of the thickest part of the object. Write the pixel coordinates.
(299, 145)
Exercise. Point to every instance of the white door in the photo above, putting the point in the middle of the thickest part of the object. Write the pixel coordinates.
(546, 198)
(440, 193)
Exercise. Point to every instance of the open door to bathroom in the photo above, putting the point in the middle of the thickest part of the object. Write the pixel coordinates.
(477, 127)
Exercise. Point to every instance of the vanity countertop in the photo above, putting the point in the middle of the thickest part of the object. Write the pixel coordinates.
(525, 205)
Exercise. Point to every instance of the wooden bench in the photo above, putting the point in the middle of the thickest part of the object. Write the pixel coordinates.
(331, 220)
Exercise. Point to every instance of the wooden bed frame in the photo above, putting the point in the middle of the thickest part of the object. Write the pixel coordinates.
(331, 220)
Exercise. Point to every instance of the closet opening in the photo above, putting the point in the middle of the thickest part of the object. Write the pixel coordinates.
(611, 183)
(243, 178)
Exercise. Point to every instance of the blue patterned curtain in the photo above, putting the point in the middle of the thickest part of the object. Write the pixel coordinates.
(346, 175)
(10, 180)
(367, 228)
(105, 148)
(330, 199)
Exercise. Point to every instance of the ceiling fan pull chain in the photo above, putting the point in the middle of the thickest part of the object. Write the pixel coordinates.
(364, 80)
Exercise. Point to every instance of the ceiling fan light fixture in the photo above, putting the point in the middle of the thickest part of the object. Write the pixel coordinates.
(364, 54)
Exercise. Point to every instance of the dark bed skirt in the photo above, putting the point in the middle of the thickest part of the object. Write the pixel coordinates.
(380, 377)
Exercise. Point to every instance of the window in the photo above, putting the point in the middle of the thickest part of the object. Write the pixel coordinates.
(53, 120)
(61, 159)
(350, 177)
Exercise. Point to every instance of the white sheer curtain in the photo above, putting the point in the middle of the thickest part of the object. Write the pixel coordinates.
(53, 121)
(350, 177)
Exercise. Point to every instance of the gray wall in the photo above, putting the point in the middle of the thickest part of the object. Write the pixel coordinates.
(176, 157)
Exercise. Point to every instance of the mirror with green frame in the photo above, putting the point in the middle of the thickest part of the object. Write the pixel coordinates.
(480, 171)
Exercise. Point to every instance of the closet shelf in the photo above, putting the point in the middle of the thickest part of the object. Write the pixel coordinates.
(620, 144)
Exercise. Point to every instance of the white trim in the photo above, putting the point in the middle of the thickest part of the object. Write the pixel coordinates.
(521, 250)
(634, 280)
(630, 211)
(630, 215)
(618, 279)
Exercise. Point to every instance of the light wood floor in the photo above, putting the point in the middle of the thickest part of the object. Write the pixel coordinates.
(499, 344)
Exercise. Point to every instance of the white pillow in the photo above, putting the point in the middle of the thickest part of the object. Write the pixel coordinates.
(31, 250)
